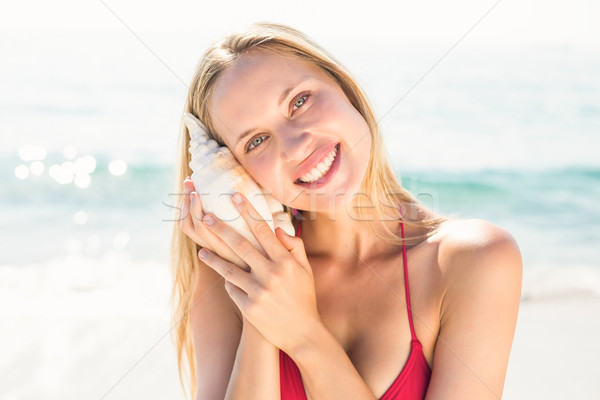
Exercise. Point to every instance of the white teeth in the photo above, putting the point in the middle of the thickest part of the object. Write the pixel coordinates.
(321, 169)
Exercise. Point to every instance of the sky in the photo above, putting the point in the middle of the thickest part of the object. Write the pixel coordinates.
(505, 22)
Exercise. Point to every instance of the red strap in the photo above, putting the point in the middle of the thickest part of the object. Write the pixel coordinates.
(406, 290)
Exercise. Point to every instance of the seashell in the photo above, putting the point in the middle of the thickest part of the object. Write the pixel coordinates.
(217, 175)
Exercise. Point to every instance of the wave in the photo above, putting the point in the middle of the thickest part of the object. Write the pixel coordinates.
(552, 213)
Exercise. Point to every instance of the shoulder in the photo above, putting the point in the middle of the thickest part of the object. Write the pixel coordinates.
(474, 244)
(476, 255)
(480, 264)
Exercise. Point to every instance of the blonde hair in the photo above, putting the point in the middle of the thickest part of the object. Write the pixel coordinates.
(379, 182)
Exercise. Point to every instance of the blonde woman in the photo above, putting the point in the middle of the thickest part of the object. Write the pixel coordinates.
(377, 297)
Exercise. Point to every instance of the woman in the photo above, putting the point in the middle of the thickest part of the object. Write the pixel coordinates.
(329, 314)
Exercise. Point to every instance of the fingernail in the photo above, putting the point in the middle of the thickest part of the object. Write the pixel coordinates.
(203, 254)
(237, 199)
(192, 196)
(208, 220)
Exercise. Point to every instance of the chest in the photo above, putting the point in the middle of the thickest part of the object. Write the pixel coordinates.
(365, 308)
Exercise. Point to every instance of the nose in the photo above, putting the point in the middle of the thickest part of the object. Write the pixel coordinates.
(295, 145)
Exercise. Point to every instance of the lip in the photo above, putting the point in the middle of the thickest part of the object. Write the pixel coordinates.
(327, 177)
(313, 160)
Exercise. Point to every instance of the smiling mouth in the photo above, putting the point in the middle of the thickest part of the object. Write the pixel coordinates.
(321, 169)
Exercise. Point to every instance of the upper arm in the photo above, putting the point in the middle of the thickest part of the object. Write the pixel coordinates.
(216, 331)
(482, 264)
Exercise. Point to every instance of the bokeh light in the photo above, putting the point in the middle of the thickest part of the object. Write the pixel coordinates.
(82, 180)
(62, 174)
(29, 152)
(37, 168)
(22, 172)
(117, 167)
(85, 165)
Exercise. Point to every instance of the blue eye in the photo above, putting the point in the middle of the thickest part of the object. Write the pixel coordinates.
(300, 101)
(255, 142)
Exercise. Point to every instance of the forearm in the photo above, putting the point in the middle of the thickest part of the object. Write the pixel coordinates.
(326, 370)
(255, 372)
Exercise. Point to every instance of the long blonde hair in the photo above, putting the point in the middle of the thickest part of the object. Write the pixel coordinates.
(380, 183)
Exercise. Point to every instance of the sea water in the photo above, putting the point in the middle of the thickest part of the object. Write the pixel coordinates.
(88, 132)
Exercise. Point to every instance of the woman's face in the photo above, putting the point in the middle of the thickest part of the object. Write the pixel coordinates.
(292, 128)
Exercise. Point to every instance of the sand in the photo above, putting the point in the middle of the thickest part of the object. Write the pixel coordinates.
(556, 350)
(103, 334)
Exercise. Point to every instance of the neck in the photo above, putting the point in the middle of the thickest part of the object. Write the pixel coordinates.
(338, 235)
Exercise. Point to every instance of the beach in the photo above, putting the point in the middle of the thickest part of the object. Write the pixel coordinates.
(89, 129)
(555, 351)
(94, 339)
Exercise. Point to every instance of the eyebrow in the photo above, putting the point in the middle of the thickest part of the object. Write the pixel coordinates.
(244, 134)
(285, 93)
(282, 97)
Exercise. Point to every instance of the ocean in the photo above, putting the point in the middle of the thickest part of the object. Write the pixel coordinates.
(88, 131)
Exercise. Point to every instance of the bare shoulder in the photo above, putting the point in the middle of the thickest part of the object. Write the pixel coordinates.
(480, 265)
(479, 248)
(477, 259)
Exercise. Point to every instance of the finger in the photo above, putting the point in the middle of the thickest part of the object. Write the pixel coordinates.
(236, 242)
(186, 223)
(259, 228)
(190, 224)
(227, 270)
(214, 242)
(188, 185)
(196, 230)
(196, 211)
(239, 297)
(185, 220)
(188, 210)
(293, 244)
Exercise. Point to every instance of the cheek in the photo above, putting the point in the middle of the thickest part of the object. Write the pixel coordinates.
(261, 173)
(357, 127)
(256, 172)
(275, 184)
(343, 117)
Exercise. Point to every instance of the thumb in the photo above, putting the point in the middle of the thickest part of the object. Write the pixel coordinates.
(293, 244)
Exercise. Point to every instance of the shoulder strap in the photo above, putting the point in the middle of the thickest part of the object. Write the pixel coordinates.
(406, 289)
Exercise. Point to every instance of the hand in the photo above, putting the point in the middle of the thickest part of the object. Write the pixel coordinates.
(277, 295)
(190, 218)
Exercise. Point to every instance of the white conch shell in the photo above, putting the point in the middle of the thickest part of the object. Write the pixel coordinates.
(217, 175)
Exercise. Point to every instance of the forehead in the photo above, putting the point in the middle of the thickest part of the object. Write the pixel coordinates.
(250, 89)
